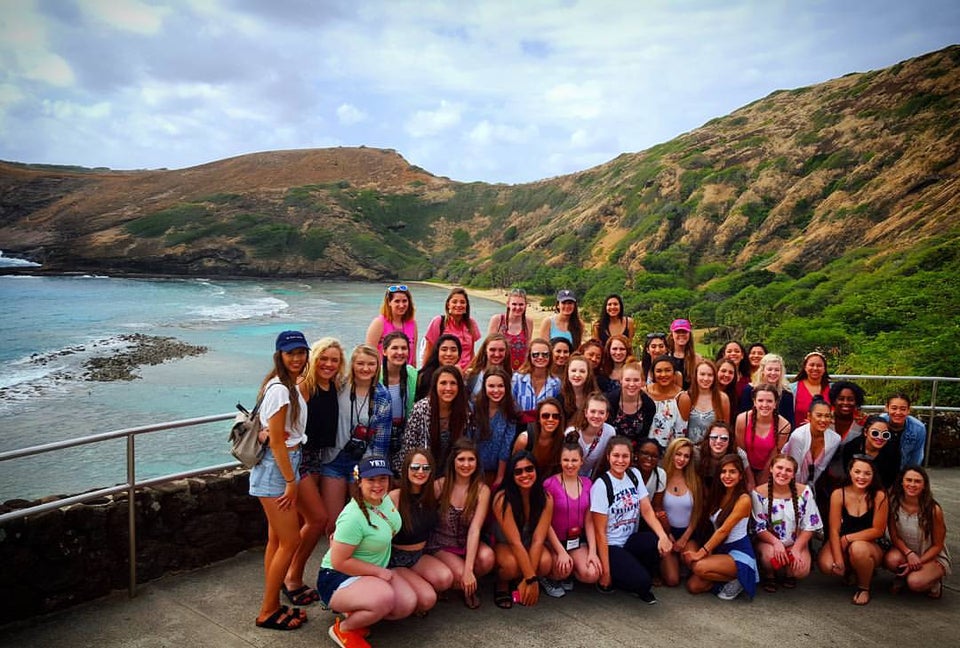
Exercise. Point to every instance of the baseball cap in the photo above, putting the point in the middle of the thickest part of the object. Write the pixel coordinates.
(374, 467)
(565, 295)
(681, 325)
(290, 340)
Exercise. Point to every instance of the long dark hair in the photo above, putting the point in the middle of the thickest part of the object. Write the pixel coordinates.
(461, 445)
(425, 375)
(603, 327)
(646, 360)
(459, 411)
(446, 304)
(716, 495)
(288, 380)
(927, 504)
(708, 463)
(481, 409)
(548, 461)
(567, 392)
(514, 498)
(428, 495)
(385, 379)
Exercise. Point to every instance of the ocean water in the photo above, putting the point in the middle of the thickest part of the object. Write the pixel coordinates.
(50, 325)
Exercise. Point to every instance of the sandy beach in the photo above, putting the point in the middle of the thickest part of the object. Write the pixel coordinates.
(500, 295)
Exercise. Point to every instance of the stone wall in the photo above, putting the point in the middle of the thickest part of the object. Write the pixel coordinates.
(77, 553)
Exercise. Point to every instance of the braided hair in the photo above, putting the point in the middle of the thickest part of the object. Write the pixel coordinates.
(794, 499)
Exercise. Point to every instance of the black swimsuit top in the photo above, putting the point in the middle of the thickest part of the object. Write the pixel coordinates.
(421, 523)
(850, 523)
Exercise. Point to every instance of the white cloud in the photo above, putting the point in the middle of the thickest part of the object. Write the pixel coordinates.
(349, 114)
(68, 110)
(425, 123)
(128, 15)
(486, 133)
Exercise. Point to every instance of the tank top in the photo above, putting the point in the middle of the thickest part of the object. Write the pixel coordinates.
(678, 508)
(699, 423)
(759, 448)
(738, 531)
(323, 412)
(422, 522)
(517, 343)
(407, 329)
(908, 528)
(450, 531)
(850, 523)
(555, 332)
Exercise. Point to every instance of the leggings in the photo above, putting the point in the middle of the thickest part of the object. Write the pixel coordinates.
(632, 564)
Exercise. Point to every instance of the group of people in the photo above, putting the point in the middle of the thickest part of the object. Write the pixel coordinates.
(559, 459)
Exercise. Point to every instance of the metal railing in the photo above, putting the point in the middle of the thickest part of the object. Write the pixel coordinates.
(131, 485)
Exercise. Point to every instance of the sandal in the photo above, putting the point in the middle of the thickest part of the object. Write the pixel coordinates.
(472, 601)
(769, 584)
(297, 612)
(861, 596)
(282, 619)
(897, 585)
(503, 599)
(936, 591)
(303, 595)
(789, 582)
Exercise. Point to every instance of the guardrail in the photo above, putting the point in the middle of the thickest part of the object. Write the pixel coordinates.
(131, 485)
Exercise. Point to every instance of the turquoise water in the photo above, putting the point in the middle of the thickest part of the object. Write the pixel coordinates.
(50, 325)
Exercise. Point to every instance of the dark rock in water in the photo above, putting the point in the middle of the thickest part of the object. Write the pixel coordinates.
(143, 350)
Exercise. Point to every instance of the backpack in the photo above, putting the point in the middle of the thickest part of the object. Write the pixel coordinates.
(244, 438)
(609, 484)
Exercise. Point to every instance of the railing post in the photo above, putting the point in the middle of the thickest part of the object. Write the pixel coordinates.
(132, 515)
(933, 411)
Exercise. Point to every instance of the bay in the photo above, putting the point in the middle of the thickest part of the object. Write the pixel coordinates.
(50, 325)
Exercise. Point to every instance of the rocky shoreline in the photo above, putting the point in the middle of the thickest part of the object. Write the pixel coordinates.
(142, 350)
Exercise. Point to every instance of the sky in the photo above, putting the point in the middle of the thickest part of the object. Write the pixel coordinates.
(496, 91)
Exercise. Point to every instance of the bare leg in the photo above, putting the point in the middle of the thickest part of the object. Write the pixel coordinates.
(333, 490)
(284, 538)
(311, 508)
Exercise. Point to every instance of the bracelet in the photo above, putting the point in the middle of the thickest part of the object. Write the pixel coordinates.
(911, 552)
(290, 481)
(530, 581)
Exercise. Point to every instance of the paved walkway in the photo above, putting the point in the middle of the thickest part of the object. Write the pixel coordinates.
(215, 607)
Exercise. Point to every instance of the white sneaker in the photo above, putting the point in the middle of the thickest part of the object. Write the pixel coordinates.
(567, 585)
(730, 590)
(552, 588)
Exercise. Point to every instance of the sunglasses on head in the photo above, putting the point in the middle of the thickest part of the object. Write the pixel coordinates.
(719, 437)
(548, 416)
(877, 433)
(652, 336)
(519, 470)
(397, 288)
(420, 467)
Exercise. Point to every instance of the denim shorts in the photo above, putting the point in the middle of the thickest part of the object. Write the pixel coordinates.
(341, 467)
(266, 480)
(329, 581)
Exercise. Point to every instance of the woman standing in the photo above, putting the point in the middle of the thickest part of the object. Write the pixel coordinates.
(566, 323)
(534, 382)
(522, 511)
(918, 533)
(771, 373)
(578, 382)
(493, 353)
(728, 381)
(787, 516)
(733, 352)
(755, 353)
(812, 381)
(396, 314)
(515, 325)
(683, 506)
(591, 430)
(858, 518)
(726, 562)
(400, 379)
(654, 346)
(616, 355)
(683, 350)
(456, 321)
(446, 353)
(494, 425)
(633, 409)
(762, 433)
(464, 503)
(613, 321)
(703, 403)
(667, 422)
(441, 418)
(416, 500)
(354, 579)
(543, 438)
(274, 480)
(618, 501)
(571, 535)
(560, 349)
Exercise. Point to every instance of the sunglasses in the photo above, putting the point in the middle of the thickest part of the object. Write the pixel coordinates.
(880, 434)
(651, 336)
(549, 416)
(719, 437)
(539, 354)
(529, 468)
(398, 288)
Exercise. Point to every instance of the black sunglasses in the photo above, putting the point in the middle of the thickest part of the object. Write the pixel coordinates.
(529, 468)
(652, 336)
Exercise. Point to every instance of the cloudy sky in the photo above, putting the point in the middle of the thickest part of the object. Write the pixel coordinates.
(499, 91)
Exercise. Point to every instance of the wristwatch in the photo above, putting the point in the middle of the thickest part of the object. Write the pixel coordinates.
(530, 581)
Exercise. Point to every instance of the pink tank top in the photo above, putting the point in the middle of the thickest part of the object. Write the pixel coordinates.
(759, 448)
(408, 328)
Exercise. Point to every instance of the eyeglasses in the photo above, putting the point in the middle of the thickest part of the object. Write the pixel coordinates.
(877, 433)
(398, 288)
(420, 467)
(549, 416)
(651, 336)
(719, 437)
(519, 470)
(539, 354)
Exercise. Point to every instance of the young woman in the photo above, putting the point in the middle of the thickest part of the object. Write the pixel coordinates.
(464, 503)
(456, 320)
(493, 353)
(812, 446)
(719, 442)
(416, 500)
(441, 418)
(682, 505)
(578, 382)
(566, 323)
(354, 579)
(319, 387)
(560, 349)
(812, 381)
(633, 410)
(728, 381)
(543, 438)
(571, 535)
(787, 516)
(667, 422)
(755, 353)
(909, 432)
(534, 382)
(726, 562)
(274, 481)
(618, 500)
(522, 511)
(647, 460)
(874, 442)
(592, 350)
(734, 353)
(616, 355)
(396, 314)
(771, 373)
(613, 321)
(494, 424)
(919, 555)
(858, 518)
(590, 429)
(400, 379)
(515, 325)
(682, 349)
(654, 346)
(761, 432)
(847, 399)
(703, 403)
(446, 353)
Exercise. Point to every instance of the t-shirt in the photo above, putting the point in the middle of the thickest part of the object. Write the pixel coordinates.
(468, 333)
(274, 398)
(623, 514)
(372, 543)
(594, 450)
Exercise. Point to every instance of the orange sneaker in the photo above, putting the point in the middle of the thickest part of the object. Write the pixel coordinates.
(347, 638)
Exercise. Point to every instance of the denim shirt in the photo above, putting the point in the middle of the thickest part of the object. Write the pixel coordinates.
(912, 441)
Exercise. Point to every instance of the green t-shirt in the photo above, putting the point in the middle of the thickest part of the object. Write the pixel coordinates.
(372, 542)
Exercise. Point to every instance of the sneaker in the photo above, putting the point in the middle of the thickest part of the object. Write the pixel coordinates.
(730, 590)
(347, 638)
(567, 585)
(552, 588)
(604, 590)
(647, 597)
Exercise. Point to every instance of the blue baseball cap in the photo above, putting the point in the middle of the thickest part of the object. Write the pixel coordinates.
(373, 467)
(290, 340)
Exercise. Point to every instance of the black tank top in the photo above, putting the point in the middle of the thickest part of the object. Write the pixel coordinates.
(323, 412)
(850, 523)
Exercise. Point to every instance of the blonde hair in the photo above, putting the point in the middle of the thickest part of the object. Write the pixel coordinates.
(782, 384)
(321, 345)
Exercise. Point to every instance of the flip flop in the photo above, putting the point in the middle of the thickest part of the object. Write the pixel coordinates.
(503, 599)
(302, 596)
(858, 597)
(472, 601)
(282, 619)
(790, 582)
(769, 584)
